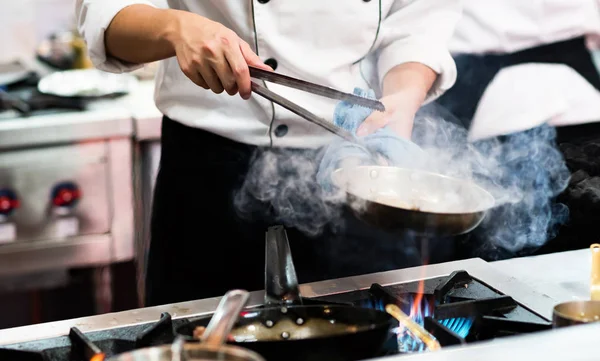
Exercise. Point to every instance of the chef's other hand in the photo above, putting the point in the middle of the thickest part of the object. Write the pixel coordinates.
(213, 56)
(398, 116)
(405, 88)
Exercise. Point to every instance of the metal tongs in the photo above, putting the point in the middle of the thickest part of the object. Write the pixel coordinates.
(310, 88)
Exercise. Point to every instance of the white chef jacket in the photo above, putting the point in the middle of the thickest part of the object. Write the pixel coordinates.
(322, 41)
(506, 26)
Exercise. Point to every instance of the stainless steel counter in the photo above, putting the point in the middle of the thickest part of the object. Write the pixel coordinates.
(563, 276)
(103, 120)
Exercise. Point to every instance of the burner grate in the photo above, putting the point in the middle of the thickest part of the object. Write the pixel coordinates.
(94, 346)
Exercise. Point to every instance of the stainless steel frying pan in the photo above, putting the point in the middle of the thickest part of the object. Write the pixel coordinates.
(399, 199)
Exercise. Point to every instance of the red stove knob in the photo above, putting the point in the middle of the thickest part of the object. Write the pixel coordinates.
(65, 194)
(9, 202)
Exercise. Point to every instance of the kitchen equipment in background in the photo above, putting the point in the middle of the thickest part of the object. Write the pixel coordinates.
(55, 182)
(9, 202)
(71, 172)
(8, 101)
(89, 83)
(579, 312)
(25, 100)
(57, 51)
(459, 308)
(64, 51)
(13, 72)
(397, 199)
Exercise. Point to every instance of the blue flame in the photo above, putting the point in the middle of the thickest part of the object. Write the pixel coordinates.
(460, 326)
(407, 342)
(373, 304)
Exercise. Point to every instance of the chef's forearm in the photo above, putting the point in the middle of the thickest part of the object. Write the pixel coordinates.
(413, 80)
(141, 34)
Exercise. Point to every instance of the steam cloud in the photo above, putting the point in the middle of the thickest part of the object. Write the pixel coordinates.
(284, 179)
(523, 171)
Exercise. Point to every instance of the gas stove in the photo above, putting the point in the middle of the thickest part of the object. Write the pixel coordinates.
(461, 303)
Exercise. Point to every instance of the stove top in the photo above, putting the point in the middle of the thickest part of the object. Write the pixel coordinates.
(457, 309)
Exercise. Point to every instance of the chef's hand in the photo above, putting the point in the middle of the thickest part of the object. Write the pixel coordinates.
(398, 116)
(405, 88)
(213, 56)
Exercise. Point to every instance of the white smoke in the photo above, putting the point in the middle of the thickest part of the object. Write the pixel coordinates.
(523, 171)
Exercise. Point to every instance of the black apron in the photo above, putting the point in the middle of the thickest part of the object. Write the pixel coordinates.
(200, 247)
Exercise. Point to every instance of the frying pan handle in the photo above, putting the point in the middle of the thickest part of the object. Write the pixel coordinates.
(224, 318)
(281, 283)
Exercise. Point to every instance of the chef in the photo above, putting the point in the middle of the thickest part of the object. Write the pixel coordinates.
(213, 125)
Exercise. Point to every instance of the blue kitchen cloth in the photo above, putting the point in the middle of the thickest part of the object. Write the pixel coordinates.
(398, 151)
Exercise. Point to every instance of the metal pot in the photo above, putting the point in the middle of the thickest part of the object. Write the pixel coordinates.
(399, 199)
(580, 312)
(212, 345)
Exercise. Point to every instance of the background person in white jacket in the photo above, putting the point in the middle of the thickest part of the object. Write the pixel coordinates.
(199, 245)
(497, 34)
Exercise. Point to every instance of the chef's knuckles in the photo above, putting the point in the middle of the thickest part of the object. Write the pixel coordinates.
(218, 59)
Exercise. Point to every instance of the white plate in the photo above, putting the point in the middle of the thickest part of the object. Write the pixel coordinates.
(86, 83)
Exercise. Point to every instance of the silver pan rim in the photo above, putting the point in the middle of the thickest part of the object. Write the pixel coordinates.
(486, 204)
